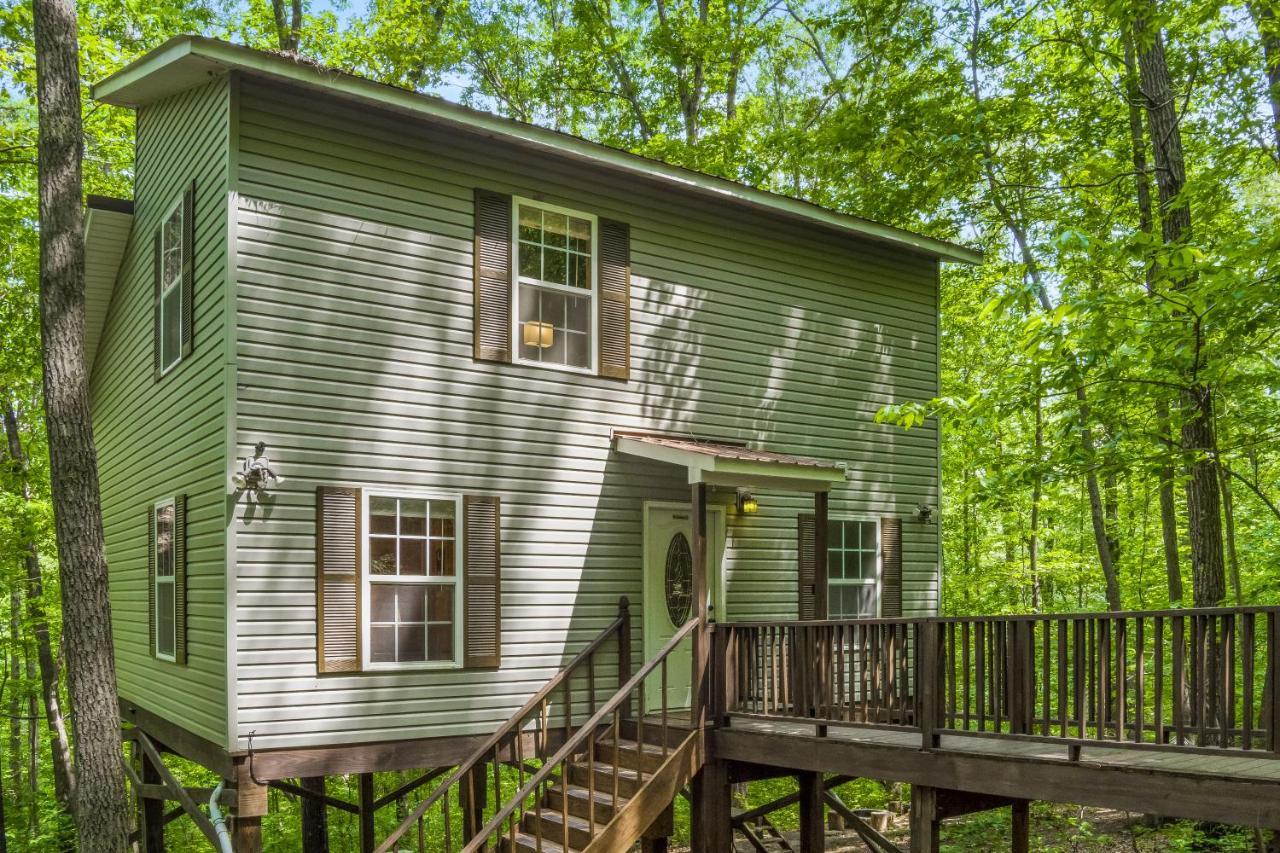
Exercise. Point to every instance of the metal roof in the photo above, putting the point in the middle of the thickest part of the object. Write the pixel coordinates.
(727, 463)
(186, 61)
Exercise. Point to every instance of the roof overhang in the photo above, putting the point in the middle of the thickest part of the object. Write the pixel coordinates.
(186, 61)
(107, 223)
(730, 465)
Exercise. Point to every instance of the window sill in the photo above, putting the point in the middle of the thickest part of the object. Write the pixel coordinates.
(559, 368)
(431, 666)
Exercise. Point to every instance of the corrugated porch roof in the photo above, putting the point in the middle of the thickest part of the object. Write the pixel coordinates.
(732, 464)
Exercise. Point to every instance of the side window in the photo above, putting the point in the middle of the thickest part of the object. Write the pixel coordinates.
(853, 564)
(554, 314)
(413, 579)
(174, 284)
(164, 560)
(170, 314)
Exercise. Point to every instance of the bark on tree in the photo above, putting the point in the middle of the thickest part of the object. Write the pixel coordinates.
(1204, 524)
(59, 741)
(1146, 222)
(288, 27)
(100, 807)
(1264, 18)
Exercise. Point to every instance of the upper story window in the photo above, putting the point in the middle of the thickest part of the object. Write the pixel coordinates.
(171, 261)
(554, 310)
(853, 569)
(413, 583)
(166, 623)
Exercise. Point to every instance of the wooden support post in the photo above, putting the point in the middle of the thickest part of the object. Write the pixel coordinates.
(624, 652)
(1021, 827)
(701, 652)
(924, 819)
(367, 840)
(152, 809)
(315, 817)
(711, 818)
(657, 837)
(929, 684)
(247, 835)
(813, 835)
(472, 796)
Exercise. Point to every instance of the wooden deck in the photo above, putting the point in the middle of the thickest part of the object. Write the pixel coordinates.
(1172, 713)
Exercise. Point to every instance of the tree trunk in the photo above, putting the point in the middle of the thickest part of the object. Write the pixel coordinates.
(1037, 487)
(288, 29)
(1146, 222)
(1229, 519)
(1204, 524)
(100, 807)
(59, 742)
(1264, 17)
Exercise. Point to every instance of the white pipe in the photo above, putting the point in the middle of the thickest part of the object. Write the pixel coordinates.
(220, 822)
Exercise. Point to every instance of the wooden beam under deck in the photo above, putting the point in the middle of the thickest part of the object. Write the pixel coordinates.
(1222, 798)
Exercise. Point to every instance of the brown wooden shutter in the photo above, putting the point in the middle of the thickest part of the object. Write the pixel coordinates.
(338, 550)
(188, 266)
(492, 331)
(155, 312)
(180, 579)
(482, 581)
(891, 567)
(615, 300)
(807, 570)
(151, 581)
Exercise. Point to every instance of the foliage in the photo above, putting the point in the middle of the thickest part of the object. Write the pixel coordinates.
(1001, 123)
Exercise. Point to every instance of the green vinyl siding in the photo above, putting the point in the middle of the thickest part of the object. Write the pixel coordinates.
(354, 359)
(157, 439)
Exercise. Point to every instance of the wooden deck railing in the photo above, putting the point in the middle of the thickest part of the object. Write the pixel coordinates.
(1191, 680)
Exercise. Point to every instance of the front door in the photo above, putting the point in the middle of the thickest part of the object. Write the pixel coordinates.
(668, 586)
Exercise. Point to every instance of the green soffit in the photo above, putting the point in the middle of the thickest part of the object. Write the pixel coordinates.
(186, 61)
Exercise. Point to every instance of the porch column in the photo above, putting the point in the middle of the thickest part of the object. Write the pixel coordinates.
(924, 819)
(1021, 827)
(820, 514)
(701, 650)
(813, 837)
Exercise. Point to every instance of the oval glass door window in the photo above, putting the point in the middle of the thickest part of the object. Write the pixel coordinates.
(678, 580)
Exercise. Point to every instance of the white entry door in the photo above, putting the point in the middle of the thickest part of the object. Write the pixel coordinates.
(668, 587)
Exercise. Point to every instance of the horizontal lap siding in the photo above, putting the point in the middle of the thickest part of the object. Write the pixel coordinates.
(163, 438)
(354, 342)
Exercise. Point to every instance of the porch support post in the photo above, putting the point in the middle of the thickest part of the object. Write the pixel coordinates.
(251, 805)
(1021, 827)
(820, 545)
(813, 836)
(315, 818)
(367, 840)
(924, 819)
(246, 836)
(152, 809)
(701, 650)
(711, 818)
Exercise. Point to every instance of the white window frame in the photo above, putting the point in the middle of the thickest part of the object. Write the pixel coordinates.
(167, 288)
(875, 583)
(517, 280)
(172, 580)
(367, 581)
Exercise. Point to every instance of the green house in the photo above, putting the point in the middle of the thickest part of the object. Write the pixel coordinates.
(395, 400)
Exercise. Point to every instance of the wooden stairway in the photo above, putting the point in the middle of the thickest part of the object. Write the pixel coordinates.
(614, 791)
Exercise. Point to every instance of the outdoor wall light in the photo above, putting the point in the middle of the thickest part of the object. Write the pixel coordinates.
(923, 514)
(539, 335)
(747, 502)
(256, 475)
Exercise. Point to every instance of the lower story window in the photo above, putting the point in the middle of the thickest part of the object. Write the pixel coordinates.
(413, 579)
(165, 592)
(853, 569)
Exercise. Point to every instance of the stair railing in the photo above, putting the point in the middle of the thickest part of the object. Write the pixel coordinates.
(582, 747)
(527, 736)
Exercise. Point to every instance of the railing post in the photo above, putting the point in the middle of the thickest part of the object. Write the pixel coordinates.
(700, 673)
(929, 683)
(1273, 678)
(624, 647)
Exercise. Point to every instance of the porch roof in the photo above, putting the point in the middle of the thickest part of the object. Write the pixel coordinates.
(732, 464)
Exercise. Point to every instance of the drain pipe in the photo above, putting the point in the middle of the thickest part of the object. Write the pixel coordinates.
(220, 822)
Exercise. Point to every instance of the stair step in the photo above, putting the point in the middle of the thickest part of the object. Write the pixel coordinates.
(630, 754)
(580, 800)
(552, 824)
(628, 779)
(526, 843)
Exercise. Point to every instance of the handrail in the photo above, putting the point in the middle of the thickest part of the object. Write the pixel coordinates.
(512, 725)
(1001, 617)
(588, 729)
